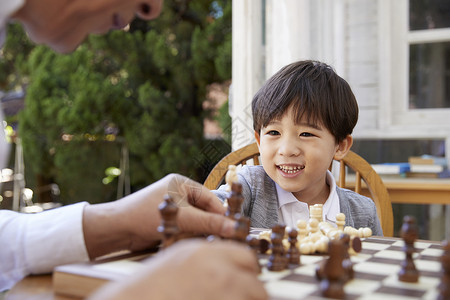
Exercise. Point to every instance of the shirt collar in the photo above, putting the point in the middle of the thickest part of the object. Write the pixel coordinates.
(331, 207)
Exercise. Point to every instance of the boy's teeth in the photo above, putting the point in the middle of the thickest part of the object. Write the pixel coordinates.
(290, 169)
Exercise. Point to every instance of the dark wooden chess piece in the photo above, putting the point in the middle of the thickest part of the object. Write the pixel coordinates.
(277, 260)
(444, 285)
(293, 254)
(355, 244)
(331, 273)
(169, 228)
(346, 262)
(409, 233)
(254, 243)
(242, 228)
(235, 201)
(264, 246)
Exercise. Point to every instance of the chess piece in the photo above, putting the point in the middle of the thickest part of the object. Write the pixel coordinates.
(347, 264)
(242, 229)
(367, 232)
(277, 260)
(231, 176)
(264, 246)
(235, 201)
(444, 285)
(316, 212)
(331, 273)
(355, 245)
(313, 226)
(293, 253)
(254, 244)
(302, 229)
(169, 228)
(340, 221)
(408, 271)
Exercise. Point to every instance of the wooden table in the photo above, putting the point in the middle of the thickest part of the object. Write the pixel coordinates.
(414, 190)
(37, 287)
(434, 192)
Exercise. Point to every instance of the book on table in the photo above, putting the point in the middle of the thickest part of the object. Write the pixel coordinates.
(82, 279)
(428, 164)
(391, 168)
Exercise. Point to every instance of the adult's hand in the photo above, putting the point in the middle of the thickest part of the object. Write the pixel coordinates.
(131, 223)
(192, 269)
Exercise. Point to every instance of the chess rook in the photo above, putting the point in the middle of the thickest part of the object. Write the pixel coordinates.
(315, 212)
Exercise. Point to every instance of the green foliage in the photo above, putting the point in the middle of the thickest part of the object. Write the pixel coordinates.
(146, 86)
(224, 120)
(13, 59)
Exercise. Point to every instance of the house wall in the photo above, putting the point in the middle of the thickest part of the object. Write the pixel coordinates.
(366, 41)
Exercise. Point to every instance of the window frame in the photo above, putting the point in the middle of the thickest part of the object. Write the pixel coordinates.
(425, 123)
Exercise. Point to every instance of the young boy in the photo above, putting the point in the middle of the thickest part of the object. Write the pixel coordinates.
(303, 117)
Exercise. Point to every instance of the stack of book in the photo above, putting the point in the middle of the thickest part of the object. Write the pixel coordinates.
(389, 169)
(428, 166)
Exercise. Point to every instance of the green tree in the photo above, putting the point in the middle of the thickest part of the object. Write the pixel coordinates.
(143, 89)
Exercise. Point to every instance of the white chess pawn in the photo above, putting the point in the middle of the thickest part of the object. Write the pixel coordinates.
(313, 226)
(367, 232)
(340, 221)
(351, 231)
(321, 244)
(302, 229)
(307, 248)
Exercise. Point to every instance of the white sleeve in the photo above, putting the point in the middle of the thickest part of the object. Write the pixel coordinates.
(36, 243)
(7, 8)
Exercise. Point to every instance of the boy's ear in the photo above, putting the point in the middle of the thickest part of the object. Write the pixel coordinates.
(257, 137)
(343, 147)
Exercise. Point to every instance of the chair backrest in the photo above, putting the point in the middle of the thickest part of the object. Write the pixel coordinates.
(363, 172)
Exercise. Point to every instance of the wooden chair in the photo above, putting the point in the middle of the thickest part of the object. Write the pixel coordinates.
(363, 172)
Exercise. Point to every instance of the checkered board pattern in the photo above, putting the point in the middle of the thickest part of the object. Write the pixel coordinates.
(375, 267)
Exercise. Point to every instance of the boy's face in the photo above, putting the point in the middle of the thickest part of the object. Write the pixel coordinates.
(297, 156)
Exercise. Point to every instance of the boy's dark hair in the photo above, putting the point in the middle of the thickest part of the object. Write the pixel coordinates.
(315, 91)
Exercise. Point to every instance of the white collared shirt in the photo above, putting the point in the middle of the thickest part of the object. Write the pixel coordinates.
(36, 243)
(290, 210)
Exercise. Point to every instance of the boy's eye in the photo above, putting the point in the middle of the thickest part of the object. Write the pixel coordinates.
(306, 134)
(273, 132)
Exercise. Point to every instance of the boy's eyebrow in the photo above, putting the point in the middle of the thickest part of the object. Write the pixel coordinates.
(312, 125)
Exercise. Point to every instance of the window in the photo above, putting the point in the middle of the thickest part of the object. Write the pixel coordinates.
(429, 58)
(417, 87)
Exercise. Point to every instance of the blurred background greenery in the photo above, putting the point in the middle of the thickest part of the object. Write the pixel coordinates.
(124, 109)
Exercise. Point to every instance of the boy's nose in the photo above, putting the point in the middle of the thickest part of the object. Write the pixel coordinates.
(289, 148)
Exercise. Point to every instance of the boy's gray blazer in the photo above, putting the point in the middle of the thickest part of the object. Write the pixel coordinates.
(261, 202)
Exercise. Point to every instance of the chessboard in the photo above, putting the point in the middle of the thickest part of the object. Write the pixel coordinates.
(375, 273)
(339, 263)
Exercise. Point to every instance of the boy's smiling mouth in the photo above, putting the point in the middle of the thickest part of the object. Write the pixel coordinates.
(290, 169)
